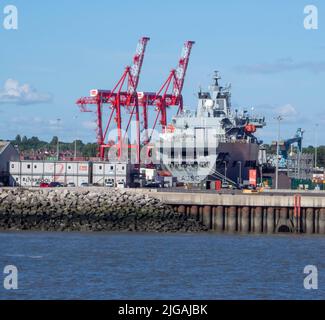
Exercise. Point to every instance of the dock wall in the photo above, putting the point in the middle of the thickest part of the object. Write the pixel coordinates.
(262, 213)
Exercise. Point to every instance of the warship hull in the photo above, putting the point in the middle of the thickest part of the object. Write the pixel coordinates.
(231, 161)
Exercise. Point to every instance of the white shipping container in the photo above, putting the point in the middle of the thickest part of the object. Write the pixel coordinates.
(121, 169)
(14, 167)
(49, 168)
(48, 179)
(38, 168)
(83, 168)
(26, 167)
(110, 169)
(99, 180)
(60, 169)
(98, 169)
(72, 168)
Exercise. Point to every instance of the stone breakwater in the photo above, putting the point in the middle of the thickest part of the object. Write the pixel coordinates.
(89, 210)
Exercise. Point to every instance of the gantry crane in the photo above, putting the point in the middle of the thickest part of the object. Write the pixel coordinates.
(116, 99)
(131, 100)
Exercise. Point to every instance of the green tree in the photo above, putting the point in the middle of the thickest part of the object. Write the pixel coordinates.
(18, 139)
(54, 141)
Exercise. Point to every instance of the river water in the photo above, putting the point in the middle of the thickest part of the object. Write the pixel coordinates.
(160, 266)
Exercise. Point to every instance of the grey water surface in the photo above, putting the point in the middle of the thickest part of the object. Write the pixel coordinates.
(160, 266)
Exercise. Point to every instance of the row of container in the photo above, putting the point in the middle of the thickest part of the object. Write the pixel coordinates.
(31, 173)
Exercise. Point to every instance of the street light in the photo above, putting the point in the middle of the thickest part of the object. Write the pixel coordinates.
(58, 143)
(75, 143)
(279, 119)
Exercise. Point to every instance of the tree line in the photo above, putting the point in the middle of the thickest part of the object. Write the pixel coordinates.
(25, 144)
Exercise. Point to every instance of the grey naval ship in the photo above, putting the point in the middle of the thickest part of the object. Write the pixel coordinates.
(213, 143)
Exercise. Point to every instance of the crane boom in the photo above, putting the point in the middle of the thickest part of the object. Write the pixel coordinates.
(180, 72)
(135, 69)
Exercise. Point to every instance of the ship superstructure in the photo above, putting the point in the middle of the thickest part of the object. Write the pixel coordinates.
(212, 142)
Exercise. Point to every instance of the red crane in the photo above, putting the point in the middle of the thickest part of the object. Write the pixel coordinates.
(131, 100)
(116, 99)
(162, 99)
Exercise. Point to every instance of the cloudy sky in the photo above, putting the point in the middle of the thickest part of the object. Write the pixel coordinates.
(65, 48)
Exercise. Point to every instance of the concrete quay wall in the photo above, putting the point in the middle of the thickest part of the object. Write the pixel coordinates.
(245, 213)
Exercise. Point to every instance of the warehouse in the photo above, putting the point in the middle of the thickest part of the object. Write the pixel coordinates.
(7, 153)
(32, 173)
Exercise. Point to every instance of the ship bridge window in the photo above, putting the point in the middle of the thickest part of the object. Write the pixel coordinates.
(204, 95)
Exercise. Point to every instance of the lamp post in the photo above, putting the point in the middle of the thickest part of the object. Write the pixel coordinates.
(58, 143)
(279, 119)
(75, 143)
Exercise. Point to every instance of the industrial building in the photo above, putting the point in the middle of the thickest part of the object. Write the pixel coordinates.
(7, 153)
(32, 173)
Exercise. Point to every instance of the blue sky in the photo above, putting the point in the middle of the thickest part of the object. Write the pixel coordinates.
(63, 49)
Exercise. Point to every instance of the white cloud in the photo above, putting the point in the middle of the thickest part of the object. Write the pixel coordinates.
(21, 94)
(89, 125)
(287, 110)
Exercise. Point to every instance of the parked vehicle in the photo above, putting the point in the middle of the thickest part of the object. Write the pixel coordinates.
(44, 185)
(109, 184)
(55, 185)
(153, 185)
(71, 185)
(85, 185)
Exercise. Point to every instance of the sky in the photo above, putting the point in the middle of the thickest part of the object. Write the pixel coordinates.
(62, 49)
